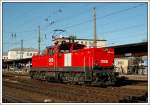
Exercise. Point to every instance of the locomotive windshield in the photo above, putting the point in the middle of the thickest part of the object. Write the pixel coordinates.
(68, 47)
(78, 46)
(64, 47)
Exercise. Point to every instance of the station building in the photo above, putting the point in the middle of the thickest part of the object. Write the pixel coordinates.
(21, 53)
(131, 58)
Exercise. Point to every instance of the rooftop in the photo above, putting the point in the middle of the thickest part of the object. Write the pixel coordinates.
(130, 45)
(24, 49)
(79, 39)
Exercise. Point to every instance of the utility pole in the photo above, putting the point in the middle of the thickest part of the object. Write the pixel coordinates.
(13, 35)
(21, 52)
(94, 27)
(39, 40)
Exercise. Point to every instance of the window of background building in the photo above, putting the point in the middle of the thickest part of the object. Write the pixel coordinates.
(85, 42)
(18, 52)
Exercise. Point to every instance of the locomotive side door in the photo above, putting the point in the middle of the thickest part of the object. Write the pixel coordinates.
(67, 59)
(87, 61)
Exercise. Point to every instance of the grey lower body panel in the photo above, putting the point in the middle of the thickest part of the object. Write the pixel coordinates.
(63, 69)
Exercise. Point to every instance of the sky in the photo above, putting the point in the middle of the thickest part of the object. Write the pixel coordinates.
(118, 23)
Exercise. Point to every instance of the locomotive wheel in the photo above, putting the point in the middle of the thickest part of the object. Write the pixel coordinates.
(103, 79)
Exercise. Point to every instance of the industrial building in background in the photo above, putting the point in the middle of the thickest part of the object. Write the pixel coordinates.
(18, 53)
(132, 58)
(87, 42)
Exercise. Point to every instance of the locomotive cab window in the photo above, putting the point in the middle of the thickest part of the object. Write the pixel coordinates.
(78, 46)
(64, 48)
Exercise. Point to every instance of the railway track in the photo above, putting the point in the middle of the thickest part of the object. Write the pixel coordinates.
(69, 93)
(135, 99)
(121, 82)
(10, 99)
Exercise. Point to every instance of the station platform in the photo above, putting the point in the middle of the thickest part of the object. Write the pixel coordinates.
(136, 77)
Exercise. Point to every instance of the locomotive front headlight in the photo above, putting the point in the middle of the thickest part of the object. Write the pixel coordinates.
(104, 61)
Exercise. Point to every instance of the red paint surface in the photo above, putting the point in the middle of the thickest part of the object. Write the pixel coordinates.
(84, 57)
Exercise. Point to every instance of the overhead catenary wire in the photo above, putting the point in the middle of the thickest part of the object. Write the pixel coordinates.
(120, 29)
(84, 22)
(31, 20)
(124, 28)
(24, 31)
(133, 35)
(107, 15)
(23, 24)
(101, 17)
(58, 21)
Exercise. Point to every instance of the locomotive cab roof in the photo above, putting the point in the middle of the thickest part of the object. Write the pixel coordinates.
(66, 47)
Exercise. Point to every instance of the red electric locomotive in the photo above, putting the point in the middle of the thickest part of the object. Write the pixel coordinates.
(73, 62)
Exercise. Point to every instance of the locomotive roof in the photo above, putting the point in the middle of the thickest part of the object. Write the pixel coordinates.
(66, 43)
(80, 39)
(24, 49)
